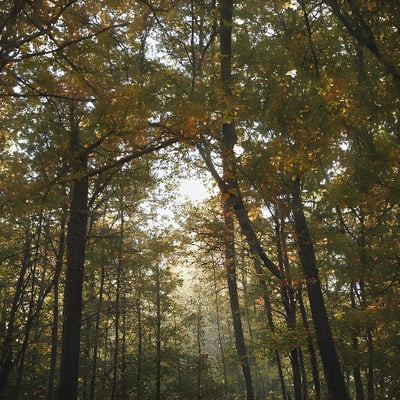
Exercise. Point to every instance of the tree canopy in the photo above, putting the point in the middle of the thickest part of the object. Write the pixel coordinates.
(283, 283)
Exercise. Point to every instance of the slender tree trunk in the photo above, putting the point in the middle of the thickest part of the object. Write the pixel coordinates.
(117, 307)
(199, 345)
(370, 370)
(294, 360)
(220, 341)
(357, 373)
(178, 368)
(97, 330)
(287, 294)
(333, 374)
(158, 334)
(303, 374)
(234, 300)
(139, 345)
(356, 370)
(311, 348)
(363, 301)
(124, 388)
(76, 238)
(54, 326)
(104, 379)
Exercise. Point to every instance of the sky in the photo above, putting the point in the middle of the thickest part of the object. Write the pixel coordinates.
(193, 189)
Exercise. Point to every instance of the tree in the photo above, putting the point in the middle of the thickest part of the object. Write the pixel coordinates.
(293, 109)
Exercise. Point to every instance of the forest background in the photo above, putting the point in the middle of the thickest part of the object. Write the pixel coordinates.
(283, 283)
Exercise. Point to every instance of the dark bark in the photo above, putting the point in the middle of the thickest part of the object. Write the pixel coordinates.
(241, 213)
(227, 144)
(76, 238)
(230, 265)
(294, 360)
(287, 294)
(303, 374)
(268, 311)
(311, 348)
(333, 374)
(54, 327)
(357, 373)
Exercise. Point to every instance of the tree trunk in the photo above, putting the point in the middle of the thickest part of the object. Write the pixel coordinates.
(220, 340)
(199, 346)
(268, 311)
(294, 360)
(303, 374)
(356, 369)
(97, 329)
(333, 374)
(229, 139)
(117, 306)
(54, 326)
(234, 300)
(287, 295)
(158, 334)
(76, 238)
(370, 370)
(124, 387)
(311, 348)
(139, 345)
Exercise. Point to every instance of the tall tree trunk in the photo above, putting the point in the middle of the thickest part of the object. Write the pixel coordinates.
(139, 345)
(294, 360)
(287, 294)
(356, 372)
(97, 329)
(117, 305)
(370, 370)
(268, 311)
(76, 238)
(311, 348)
(199, 355)
(229, 139)
(124, 387)
(356, 369)
(54, 325)
(220, 340)
(234, 299)
(333, 374)
(158, 334)
(303, 374)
